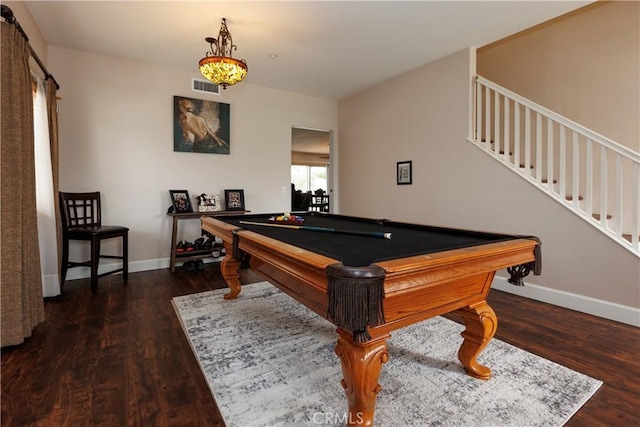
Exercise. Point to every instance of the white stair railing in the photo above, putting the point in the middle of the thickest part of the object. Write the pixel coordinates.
(596, 178)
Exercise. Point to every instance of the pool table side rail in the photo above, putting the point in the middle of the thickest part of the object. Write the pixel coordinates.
(448, 284)
(297, 272)
(226, 231)
(487, 257)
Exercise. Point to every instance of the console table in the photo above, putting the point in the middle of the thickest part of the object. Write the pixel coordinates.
(195, 254)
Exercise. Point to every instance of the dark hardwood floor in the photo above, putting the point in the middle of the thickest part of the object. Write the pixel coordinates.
(119, 357)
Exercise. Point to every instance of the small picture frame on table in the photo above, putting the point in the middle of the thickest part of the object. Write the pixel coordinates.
(234, 200)
(181, 201)
(209, 203)
(404, 172)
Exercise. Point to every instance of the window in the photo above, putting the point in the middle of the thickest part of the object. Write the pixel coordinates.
(309, 178)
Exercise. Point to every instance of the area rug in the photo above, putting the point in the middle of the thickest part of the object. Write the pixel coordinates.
(270, 361)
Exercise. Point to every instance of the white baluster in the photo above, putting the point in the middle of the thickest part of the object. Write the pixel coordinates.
(562, 176)
(603, 186)
(635, 215)
(550, 173)
(538, 147)
(496, 126)
(575, 184)
(589, 190)
(618, 197)
(478, 112)
(527, 141)
(487, 119)
(516, 134)
(506, 130)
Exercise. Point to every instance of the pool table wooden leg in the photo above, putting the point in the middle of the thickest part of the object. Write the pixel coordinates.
(481, 324)
(361, 365)
(229, 269)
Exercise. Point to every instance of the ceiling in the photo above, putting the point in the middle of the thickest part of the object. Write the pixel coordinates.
(310, 141)
(327, 49)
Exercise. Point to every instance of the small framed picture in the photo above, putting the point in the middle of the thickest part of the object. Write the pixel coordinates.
(404, 173)
(234, 200)
(209, 203)
(181, 201)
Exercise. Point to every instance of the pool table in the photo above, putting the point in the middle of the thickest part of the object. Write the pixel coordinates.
(345, 270)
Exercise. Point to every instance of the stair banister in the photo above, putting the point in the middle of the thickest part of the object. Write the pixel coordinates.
(497, 131)
(610, 144)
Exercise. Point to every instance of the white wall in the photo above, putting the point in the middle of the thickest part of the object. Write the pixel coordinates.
(116, 136)
(423, 116)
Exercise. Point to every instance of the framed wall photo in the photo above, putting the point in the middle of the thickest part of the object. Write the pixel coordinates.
(181, 201)
(201, 126)
(404, 173)
(234, 200)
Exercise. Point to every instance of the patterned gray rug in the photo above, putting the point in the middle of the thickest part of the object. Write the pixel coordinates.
(270, 361)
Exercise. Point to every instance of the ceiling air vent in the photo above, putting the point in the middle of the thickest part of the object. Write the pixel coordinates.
(204, 86)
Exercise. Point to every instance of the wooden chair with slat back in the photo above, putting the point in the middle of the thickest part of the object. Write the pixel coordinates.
(81, 220)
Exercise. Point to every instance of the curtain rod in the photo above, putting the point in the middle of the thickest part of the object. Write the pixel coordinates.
(7, 15)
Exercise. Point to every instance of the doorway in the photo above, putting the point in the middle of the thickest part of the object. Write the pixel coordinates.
(311, 167)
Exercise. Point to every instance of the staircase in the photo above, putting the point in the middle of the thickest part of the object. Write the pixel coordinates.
(589, 174)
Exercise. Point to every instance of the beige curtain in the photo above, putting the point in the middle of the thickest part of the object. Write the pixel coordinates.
(20, 277)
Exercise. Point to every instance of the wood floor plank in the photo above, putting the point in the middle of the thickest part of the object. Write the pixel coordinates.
(119, 357)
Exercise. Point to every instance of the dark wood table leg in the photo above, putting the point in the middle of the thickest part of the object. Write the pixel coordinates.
(230, 271)
(174, 242)
(481, 324)
(361, 365)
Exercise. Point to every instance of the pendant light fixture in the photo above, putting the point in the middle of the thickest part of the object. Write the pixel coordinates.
(218, 65)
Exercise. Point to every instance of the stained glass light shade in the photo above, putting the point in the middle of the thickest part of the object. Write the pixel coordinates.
(222, 70)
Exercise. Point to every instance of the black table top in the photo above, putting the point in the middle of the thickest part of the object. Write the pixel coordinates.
(357, 251)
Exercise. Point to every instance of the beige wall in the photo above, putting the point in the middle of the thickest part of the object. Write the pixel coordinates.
(423, 116)
(116, 136)
(585, 66)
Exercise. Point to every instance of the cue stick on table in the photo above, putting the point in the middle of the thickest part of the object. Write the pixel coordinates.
(323, 229)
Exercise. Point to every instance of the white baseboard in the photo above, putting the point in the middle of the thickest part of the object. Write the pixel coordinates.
(593, 306)
(134, 267)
